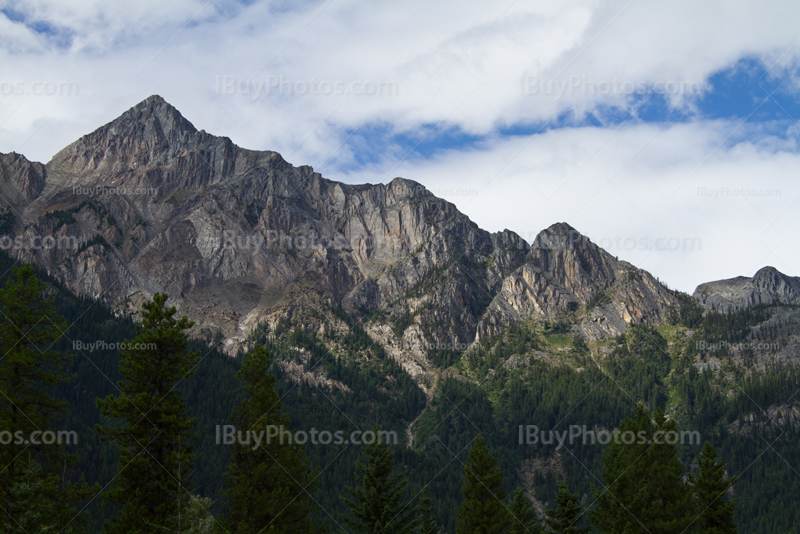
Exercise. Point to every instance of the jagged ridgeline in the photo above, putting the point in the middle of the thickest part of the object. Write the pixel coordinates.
(383, 304)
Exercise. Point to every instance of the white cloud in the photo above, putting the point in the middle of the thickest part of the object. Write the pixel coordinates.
(95, 25)
(465, 65)
(675, 200)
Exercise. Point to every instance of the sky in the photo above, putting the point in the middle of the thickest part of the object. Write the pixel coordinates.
(667, 132)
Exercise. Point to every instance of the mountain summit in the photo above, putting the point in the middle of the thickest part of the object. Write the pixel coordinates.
(147, 203)
(767, 286)
(135, 147)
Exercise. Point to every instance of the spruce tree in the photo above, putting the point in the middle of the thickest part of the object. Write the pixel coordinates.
(427, 520)
(644, 486)
(376, 501)
(198, 519)
(564, 518)
(154, 432)
(33, 504)
(269, 484)
(523, 516)
(29, 326)
(482, 510)
(714, 513)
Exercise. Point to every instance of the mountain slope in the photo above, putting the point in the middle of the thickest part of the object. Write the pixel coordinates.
(768, 286)
(240, 238)
(341, 282)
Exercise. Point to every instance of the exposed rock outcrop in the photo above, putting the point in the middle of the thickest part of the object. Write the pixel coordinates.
(21, 180)
(148, 203)
(767, 286)
(566, 275)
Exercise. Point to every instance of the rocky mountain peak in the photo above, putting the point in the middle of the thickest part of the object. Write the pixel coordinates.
(21, 180)
(769, 275)
(560, 231)
(151, 111)
(767, 286)
(569, 278)
(570, 259)
(137, 145)
(240, 238)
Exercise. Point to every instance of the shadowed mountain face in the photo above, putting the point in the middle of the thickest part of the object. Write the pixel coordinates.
(768, 286)
(147, 203)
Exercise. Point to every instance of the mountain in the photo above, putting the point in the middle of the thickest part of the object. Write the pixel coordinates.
(767, 287)
(383, 304)
(238, 238)
(21, 180)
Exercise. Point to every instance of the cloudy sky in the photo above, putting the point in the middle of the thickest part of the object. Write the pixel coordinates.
(665, 131)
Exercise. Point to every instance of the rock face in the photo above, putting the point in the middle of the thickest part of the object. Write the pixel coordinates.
(565, 275)
(768, 286)
(21, 180)
(147, 203)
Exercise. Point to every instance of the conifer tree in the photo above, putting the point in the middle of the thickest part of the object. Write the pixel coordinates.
(29, 326)
(523, 516)
(376, 501)
(644, 486)
(427, 520)
(714, 513)
(482, 510)
(155, 430)
(33, 504)
(269, 484)
(564, 518)
(198, 519)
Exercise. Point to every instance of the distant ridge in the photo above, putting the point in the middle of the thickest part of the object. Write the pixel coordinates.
(241, 237)
(767, 286)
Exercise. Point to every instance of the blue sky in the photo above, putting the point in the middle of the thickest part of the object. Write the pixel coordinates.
(644, 125)
(745, 91)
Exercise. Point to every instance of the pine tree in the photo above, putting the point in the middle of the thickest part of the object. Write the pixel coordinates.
(565, 517)
(29, 326)
(155, 430)
(644, 489)
(714, 513)
(523, 516)
(198, 519)
(33, 504)
(375, 502)
(427, 520)
(482, 510)
(269, 483)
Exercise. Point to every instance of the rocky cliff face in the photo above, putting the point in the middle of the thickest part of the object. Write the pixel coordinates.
(148, 203)
(767, 286)
(21, 180)
(567, 276)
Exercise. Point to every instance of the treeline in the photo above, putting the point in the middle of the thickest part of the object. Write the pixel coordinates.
(269, 483)
(638, 371)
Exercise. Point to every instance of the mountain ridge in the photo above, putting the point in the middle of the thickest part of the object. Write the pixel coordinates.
(241, 238)
(766, 287)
